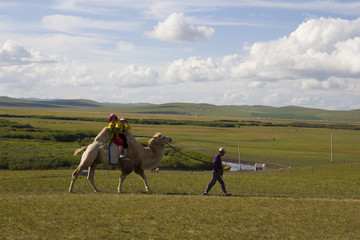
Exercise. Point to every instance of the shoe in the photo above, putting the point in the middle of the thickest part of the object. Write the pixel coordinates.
(206, 194)
(227, 194)
(124, 157)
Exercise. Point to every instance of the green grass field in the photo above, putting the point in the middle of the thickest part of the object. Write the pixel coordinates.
(294, 146)
(302, 203)
(311, 200)
(189, 109)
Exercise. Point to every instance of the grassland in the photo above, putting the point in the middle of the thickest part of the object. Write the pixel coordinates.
(291, 146)
(310, 200)
(302, 203)
(189, 109)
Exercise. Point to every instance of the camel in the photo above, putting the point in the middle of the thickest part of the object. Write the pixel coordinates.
(141, 158)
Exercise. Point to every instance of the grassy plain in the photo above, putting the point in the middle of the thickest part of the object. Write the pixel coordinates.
(310, 200)
(189, 109)
(293, 146)
(301, 203)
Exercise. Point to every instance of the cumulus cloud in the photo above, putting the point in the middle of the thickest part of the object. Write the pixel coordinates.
(13, 53)
(194, 70)
(331, 83)
(176, 29)
(26, 72)
(134, 76)
(314, 63)
(321, 55)
(319, 51)
(319, 48)
(57, 74)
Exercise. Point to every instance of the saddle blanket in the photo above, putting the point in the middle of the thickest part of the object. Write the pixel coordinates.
(113, 154)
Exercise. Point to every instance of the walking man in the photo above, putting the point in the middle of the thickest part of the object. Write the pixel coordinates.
(217, 173)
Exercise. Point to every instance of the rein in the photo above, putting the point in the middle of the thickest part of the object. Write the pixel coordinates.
(188, 155)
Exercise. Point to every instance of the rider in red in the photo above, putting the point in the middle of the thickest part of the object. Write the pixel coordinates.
(114, 133)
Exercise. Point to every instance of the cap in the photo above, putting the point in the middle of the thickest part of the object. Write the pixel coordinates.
(122, 119)
(112, 116)
(222, 149)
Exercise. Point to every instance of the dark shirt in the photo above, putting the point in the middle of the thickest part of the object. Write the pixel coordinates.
(217, 163)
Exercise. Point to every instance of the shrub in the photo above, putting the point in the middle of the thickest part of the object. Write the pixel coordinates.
(4, 163)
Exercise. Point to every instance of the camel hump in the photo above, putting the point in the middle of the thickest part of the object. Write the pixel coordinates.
(103, 136)
(128, 133)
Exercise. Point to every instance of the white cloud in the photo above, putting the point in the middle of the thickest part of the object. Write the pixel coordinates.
(188, 49)
(125, 46)
(317, 61)
(13, 53)
(55, 74)
(319, 48)
(163, 8)
(176, 29)
(320, 56)
(300, 100)
(194, 70)
(10, 51)
(271, 99)
(331, 83)
(256, 84)
(27, 73)
(72, 24)
(236, 95)
(134, 76)
(88, 6)
(311, 84)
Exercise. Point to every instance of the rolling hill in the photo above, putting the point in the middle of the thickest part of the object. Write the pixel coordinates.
(191, 109)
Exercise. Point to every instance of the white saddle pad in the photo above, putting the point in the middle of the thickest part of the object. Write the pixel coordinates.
(113, 154)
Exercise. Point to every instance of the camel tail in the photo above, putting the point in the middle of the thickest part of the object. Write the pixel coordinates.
(79, 150)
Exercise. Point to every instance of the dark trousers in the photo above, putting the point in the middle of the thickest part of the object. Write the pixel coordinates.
(217, 176)
(123, 137)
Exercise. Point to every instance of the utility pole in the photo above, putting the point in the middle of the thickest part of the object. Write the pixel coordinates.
(331, 149)
(239, 155)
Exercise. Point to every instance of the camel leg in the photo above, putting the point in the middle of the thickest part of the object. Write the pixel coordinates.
(121, 180)
(73, 182)
(91, 175)
(144, 178)
(75, 175)
(87, 159)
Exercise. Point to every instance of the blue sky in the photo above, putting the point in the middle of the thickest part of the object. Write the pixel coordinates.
(223, 52)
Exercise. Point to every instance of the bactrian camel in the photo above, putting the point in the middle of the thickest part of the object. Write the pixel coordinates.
(141, 158)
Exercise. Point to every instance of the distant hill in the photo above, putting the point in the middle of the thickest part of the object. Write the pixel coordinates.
(192, 109)
(15, 102)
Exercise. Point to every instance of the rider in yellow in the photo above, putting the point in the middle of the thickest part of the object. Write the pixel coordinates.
(122, 126)
(116, 135)
(114, 132)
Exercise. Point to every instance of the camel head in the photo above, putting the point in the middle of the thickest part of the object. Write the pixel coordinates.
(159, 139)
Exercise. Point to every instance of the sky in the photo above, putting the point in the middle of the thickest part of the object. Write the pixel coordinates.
(222, 52)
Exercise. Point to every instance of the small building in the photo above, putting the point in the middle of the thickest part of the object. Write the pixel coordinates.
(260, 166)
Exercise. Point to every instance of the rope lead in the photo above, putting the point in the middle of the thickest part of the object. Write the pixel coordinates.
(188, 155)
